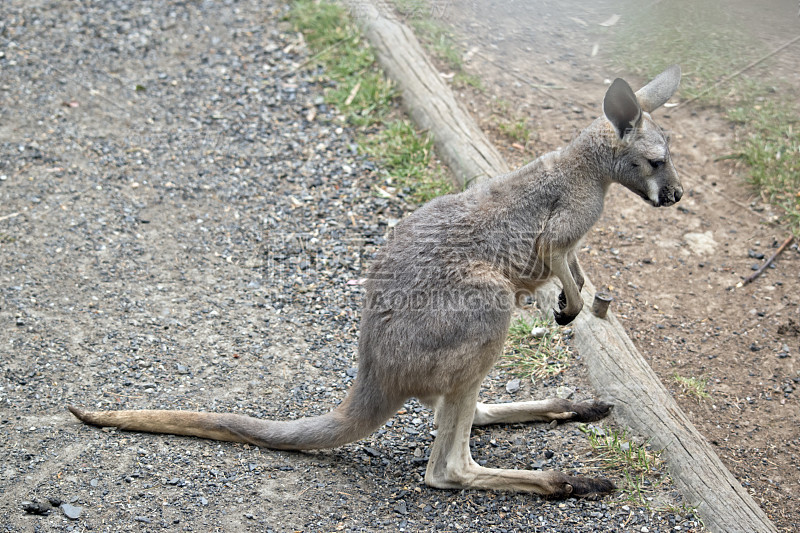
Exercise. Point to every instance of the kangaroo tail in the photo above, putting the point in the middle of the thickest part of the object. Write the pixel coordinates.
(356, 417)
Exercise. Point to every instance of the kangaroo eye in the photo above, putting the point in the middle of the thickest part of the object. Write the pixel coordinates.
(655, 164)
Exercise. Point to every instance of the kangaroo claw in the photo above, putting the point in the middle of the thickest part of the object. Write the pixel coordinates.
(562, 319)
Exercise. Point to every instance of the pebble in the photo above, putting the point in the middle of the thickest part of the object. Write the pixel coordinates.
(372, 451)
(564, 392)
(512, 386)
(538, 333)
(37, 508)
(71, 511)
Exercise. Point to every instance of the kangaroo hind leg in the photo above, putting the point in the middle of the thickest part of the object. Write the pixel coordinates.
(451, 465)
(540, 411)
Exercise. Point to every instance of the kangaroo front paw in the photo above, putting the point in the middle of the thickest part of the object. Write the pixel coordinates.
(562, 319)
(562, 300)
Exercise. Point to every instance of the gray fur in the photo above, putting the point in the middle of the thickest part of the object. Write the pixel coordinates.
(440, 295)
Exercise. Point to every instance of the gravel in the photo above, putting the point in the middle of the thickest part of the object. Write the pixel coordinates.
(178, 230)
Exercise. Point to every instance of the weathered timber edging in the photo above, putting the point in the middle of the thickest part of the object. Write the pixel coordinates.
(616, 369)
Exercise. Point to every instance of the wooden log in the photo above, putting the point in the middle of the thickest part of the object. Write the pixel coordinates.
(458, 140)
(621, 376)
(616, 369)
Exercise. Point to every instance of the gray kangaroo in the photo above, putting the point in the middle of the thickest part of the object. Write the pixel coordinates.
(440, 296)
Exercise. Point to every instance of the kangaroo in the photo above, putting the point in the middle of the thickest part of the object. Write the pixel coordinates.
(440, 296)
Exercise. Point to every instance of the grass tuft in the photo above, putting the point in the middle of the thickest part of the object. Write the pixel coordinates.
(406, 155)
(770, 146)
(640, 468)
(532, 357)
(423, 17)
(516, 130)
(693, 386)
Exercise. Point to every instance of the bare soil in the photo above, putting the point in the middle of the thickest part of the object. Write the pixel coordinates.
(672, 272)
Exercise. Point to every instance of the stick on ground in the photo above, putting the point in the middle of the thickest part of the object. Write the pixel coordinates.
(767, 263)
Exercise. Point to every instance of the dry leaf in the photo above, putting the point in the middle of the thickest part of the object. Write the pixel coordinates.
(613, 19)
(353, 93)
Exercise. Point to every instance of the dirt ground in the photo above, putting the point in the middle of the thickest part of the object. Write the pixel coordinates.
(672, 272)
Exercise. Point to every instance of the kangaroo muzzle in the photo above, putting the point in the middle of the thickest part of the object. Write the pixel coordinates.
(669, 195)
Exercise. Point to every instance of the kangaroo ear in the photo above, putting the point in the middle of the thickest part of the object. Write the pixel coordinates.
(621, 107)
(657, 92)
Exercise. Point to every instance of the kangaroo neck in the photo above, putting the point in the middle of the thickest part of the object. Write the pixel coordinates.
(578, 169)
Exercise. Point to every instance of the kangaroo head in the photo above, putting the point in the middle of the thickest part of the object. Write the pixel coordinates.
(641, 160)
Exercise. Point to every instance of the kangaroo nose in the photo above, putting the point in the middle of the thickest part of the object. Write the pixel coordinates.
(678, 194)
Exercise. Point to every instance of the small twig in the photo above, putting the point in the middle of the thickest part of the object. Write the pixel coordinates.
(353, 93)
(768, 262)
(12, 215)
(744, 68)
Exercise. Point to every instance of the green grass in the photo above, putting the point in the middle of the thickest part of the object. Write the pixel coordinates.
(619, 452)
(710, 45)
(515, 130)
(529, 357)
(369, 100)
(640, 468)
(406, 155)
(770, 146)
(361, 90)
(695, 387)
(510, 124)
